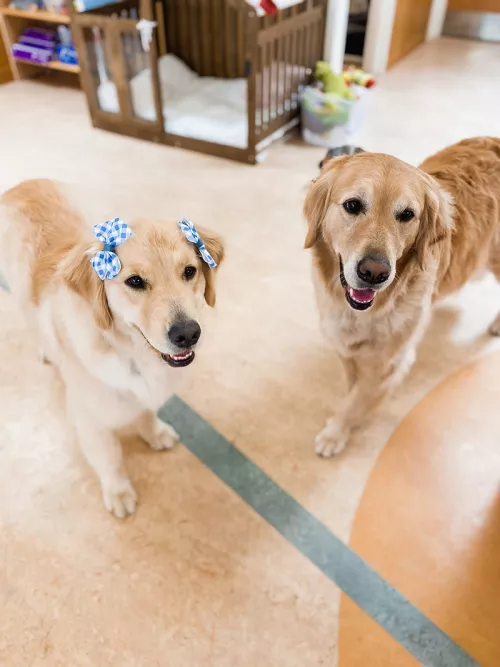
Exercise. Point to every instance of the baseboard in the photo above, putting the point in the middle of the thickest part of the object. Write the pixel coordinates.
(473, 25)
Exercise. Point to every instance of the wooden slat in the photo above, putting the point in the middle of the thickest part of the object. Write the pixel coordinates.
(40, 15)
(9, 36)
(217, 38)
(290, 61)
(146, 9)
(91, 20)
(320, 32)
(296, 62)
(240, 42)
(291, 24)
(251, 53)
(226, 22)
(289, 110)
(87, 68)
(172, 32)
(155, 82)
(277, 76)
(205, 30)
(162, 37)
(113, 48)
(269, 82)
(303, 53)
(263, 87)
(194, 32)
(184, 33)
(307, 45)
(262, 91)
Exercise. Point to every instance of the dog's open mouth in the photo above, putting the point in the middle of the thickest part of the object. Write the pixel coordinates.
(359, 299)
(179, 360)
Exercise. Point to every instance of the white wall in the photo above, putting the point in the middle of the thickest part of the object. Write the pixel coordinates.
(335, 33)
(378, 35)
(436, 19)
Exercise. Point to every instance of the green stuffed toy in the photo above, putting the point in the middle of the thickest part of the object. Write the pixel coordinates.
(332, 83)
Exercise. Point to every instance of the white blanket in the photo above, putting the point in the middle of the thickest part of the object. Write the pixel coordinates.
(204, 108)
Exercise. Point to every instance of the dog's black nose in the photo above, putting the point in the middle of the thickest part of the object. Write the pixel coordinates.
(374, 269)
(184, 333)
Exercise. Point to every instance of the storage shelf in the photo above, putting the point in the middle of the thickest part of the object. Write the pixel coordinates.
(47, 17)
(53, 64)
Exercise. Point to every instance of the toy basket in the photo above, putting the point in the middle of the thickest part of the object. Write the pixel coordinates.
(329, 120)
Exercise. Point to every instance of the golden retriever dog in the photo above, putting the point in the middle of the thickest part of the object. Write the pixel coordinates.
(388, 239)
(119, 343)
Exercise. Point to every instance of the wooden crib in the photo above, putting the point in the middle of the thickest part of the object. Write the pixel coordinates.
(265, 59)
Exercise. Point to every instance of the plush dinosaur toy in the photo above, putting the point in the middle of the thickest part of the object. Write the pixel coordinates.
(332, 83)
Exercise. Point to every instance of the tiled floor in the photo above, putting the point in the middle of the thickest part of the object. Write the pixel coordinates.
(197, 577)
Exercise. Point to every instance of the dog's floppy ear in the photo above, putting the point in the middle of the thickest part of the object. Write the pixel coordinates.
(82, 279)
(318, 198)
(215, 247)
(436, 222)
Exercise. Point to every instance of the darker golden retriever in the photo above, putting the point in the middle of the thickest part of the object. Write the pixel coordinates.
(388, 239)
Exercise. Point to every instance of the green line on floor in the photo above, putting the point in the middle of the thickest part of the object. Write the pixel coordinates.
(3, 283)
(424, 640)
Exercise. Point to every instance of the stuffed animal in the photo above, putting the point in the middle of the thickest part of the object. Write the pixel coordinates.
(359, 77)
(332, 83)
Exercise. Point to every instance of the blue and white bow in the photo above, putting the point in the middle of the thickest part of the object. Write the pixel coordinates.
(112, 234)
(189, 231)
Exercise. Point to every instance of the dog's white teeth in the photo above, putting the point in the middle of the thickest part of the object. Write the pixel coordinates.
(182, 355)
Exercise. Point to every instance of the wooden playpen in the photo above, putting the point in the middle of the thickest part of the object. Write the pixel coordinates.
(272, 57)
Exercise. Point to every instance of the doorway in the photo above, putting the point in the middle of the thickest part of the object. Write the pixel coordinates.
(356, 31)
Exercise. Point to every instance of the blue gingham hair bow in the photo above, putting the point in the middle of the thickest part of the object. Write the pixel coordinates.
(189, 231)
(111, 233)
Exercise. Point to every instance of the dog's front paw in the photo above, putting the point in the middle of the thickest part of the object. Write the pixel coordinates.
(120, 497)
(163, 436)
(332, 439)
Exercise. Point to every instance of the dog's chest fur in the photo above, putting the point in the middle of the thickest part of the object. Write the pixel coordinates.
(356, 333)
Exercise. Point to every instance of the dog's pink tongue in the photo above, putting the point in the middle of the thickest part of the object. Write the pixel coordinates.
(362, 295)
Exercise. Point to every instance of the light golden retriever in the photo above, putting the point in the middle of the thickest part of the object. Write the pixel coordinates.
(387, 240)
(117, 343)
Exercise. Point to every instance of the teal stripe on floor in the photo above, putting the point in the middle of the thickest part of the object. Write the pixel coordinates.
(424, 640)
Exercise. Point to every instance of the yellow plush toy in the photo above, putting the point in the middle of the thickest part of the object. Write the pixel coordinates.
(332, 83)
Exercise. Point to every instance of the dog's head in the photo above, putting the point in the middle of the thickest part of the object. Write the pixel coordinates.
(372, 210)
(160, 290)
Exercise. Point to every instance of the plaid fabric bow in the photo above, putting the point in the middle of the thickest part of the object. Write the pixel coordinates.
(189, 231)
(112, 234)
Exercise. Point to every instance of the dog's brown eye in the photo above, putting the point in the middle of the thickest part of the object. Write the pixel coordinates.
(353, 206)
(406, 215)
(135, 282)
(189, 272)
